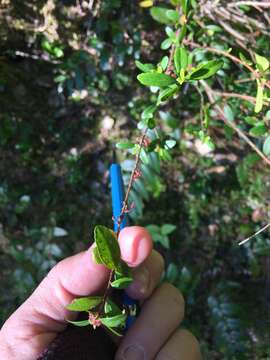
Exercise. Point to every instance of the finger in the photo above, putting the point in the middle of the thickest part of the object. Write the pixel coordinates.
(159, 318)
(44, 313)
(181, 345)
(135, 244)
(146, 277)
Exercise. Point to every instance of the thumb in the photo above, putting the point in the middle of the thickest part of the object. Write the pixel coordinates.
(35, 324)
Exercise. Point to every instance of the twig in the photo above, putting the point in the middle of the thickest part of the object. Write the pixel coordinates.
(252, 236)
(264, 4)
(211, 96)
(228, 55)
(248, 98)
(131, 179)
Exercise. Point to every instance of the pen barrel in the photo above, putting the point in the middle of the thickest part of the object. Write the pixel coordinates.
(117, 190)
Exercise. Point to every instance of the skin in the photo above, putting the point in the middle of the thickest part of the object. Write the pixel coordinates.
(156, 333)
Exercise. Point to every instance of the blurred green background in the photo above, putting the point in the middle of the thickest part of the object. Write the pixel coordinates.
(68, 93)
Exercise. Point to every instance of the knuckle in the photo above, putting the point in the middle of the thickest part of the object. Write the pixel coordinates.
(175, 297)
(194, 343)
(160, 260)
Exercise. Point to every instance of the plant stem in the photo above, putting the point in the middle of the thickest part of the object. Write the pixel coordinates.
(131, 179)
(228, 55)
(211, 96)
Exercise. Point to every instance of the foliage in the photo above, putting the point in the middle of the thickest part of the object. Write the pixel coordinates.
(69, 92)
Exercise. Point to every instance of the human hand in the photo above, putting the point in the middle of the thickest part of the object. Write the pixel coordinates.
(155, 334)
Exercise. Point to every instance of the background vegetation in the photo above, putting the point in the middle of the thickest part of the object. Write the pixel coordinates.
(68, 93)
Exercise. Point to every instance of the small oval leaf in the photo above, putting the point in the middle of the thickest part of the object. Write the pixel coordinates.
(114, 321)
(266, 146)
(122, 283)
(156, 79)
(80, 323)
(84, 303)
(108, 247)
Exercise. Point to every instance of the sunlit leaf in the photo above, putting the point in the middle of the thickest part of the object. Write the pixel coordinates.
(259, 98)
(258, 130)
(108, 247)
(262, 63)
(146, 3)
(84, 303)
(207, 70)
(166, 44)
(122, 283)
(173, 15)
(167, 93)
(125, 145)
(114, 321)
(148, 112)
(96, 256)
(266, 146)
(160, 14)
(155, 79)
(180, 59)
(144, 67)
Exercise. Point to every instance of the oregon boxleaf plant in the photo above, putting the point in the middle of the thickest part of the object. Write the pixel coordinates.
(166, 77)
(165, 80)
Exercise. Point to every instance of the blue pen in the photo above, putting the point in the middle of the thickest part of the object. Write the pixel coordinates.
(117, 190)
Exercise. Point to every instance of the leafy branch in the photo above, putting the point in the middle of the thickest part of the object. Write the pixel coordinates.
(165, 80)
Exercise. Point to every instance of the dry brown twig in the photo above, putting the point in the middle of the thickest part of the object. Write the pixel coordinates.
(212, 99)
(235, 59)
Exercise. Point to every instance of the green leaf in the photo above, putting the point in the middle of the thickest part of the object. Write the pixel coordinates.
(108, 247)
(144, 156)
(155, 79)
(182, 34)
(207, 70)
(165, 241)
(125, 145)
(266, 146)
(259, 98)
(111, 308)
(122, 283)
(114, 321)
(258, 130)
(151, 123)
(173, 15)
(170, 33)
(250, 120)
(148, 112)
(164, 155)
(114, 331)
(164, 62)
(160, 14)
(166, 44)
(96, 256)
(153, 229)
(172, 273)
(169, 144)
(79, 323)
(185, 6)
(229, 115)
(167, 229)
(58, 52)
(144, 67)
(180, 59)
(84, 303)
(262, 63)
(167, 93)
(122, 270)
